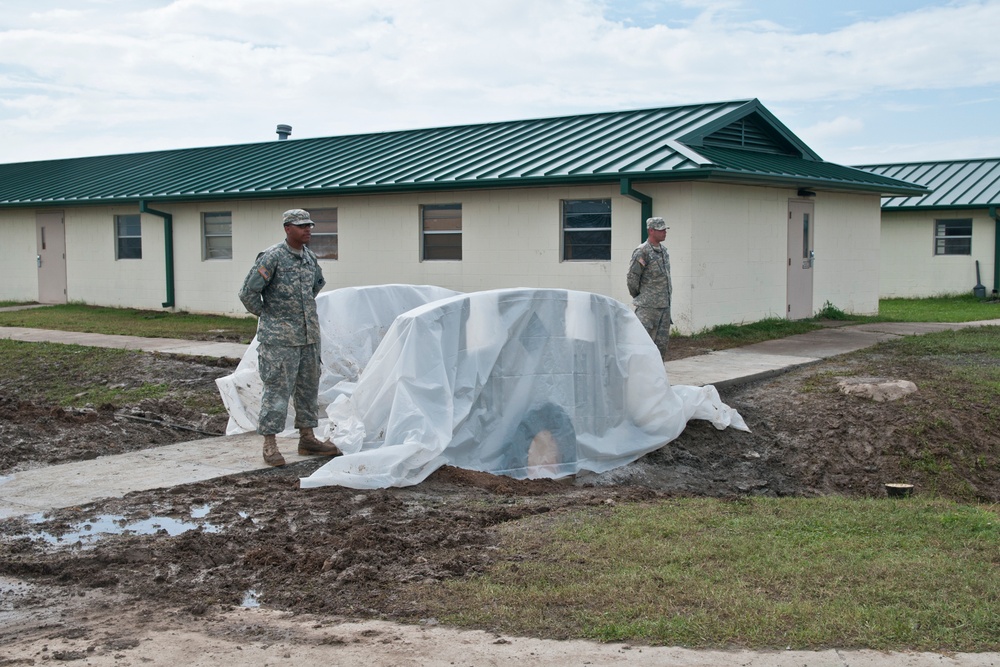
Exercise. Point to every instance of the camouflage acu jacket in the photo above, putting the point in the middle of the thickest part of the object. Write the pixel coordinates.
(281, 290)
(649, 277)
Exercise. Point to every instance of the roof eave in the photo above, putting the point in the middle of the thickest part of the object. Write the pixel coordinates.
(698, 174)
(939, 207)
(783, 180)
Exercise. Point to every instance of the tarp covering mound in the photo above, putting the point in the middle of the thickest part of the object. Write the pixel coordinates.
(352, 321)
(520, 382)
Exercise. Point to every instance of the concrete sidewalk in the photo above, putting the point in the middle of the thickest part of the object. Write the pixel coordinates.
(196, 348)
(70, 484)
(761, 360)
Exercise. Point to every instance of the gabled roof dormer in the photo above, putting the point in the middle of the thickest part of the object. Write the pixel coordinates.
(751, 128)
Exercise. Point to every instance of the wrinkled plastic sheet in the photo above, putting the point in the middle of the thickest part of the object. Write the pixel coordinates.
(353, 321)
(521, 382)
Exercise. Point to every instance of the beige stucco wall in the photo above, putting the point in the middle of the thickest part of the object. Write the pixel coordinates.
(847, 252)
(740, 242)
(728, 251)
(94, 276)
(911, 269)
(727, 246)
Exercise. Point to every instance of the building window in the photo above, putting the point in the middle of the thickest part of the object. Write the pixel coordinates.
(217, 235)
(128, 236)
(953, 237)
(324, 241)
(586, 229)
(442, 231)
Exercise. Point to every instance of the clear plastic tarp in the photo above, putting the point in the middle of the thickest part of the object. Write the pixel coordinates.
(520, 382)
(353, 321)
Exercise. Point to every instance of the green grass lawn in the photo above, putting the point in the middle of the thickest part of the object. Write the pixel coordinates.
(954, 308)
(914, 574)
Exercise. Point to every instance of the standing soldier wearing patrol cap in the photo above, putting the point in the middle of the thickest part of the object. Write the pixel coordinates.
(649, 284)
(281, 291)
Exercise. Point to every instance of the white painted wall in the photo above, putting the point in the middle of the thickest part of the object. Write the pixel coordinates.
(740, 245)
(17, 240)
(847, 249)
(94, 276)
(727, 248)
(910, 268)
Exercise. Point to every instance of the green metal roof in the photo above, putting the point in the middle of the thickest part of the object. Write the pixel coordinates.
(737, 140)
(954, 183)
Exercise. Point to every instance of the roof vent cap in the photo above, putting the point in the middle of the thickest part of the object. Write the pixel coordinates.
(283, 132)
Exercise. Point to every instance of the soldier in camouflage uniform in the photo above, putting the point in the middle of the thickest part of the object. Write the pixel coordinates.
(281, 291)
(649, 284)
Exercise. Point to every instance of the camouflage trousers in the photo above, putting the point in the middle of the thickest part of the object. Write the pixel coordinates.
(288, 372)
(656, 321)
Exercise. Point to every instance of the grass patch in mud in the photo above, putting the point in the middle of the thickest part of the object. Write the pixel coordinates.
(133, 322)
(916, 574)
(756, 332)
(74, 375)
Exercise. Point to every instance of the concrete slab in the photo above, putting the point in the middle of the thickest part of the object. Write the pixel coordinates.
(81, 482)
(26, 306)
(163, 345)
(819, 344)
(727, 367)
(918, 328)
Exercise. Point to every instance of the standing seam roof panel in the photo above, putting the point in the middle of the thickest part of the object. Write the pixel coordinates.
(667, 128)
(570, 149)
(558, 159)
(955, 183)
(448, 168)
(512, 162)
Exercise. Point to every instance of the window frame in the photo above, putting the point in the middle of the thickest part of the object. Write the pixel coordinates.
(122, 239)
(425, 233)
(565, 231)
(325, 220)
(946, 244)
(205, 235)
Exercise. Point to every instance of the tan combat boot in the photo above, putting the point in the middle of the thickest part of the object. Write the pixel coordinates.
(310, 445)
(272, 456)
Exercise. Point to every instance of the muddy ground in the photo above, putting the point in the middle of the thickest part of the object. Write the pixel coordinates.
(189, 555)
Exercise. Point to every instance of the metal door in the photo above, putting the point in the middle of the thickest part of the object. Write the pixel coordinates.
(801, 257)
(50, 240)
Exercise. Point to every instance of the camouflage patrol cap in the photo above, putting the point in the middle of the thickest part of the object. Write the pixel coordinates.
(296, 216)
(656, 223)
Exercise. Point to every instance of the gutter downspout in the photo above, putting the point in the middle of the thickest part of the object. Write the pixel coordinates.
(168, 249)
(996, 250)
(645, 201)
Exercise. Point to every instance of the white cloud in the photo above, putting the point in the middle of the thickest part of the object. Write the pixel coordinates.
(827, 130)
(199, 72)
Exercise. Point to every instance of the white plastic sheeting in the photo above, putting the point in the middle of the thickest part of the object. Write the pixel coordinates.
(352, 321)
(477, 380)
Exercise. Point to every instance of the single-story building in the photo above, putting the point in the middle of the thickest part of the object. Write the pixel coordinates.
(931, 243)
(760, 226)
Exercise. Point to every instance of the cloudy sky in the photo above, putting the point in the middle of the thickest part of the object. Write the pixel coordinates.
(860, 81)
